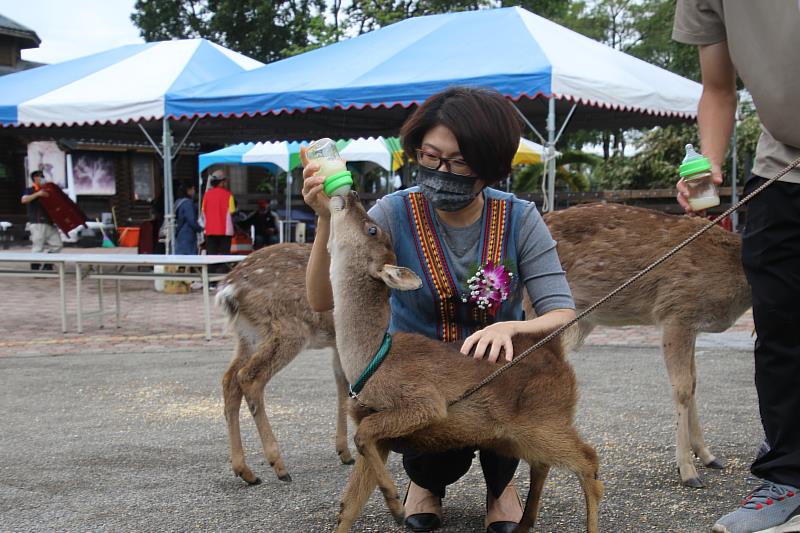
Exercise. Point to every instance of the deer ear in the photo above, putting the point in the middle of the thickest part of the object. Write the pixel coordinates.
(400, 278)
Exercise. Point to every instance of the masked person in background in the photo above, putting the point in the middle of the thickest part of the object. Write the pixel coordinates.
(463, 140)
(44, 234)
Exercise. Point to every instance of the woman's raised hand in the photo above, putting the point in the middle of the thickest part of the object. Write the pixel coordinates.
(313, 195)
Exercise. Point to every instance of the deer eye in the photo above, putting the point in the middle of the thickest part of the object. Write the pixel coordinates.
(373, 230)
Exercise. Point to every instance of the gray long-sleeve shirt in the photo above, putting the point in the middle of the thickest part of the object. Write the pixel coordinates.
(537, 259)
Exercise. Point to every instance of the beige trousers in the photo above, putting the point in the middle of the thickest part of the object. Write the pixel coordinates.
(45, 238)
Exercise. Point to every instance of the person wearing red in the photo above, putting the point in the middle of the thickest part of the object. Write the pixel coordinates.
(44, 234)
(218, 206)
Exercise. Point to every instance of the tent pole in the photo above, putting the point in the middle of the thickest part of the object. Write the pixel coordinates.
(566, 122)
(169, 216)
(288, 223)
(550, 149)
(734, 168)
(188, 132)
(528, 123)
(152, 142)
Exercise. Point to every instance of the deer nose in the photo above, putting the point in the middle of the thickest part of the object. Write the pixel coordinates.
(337, 203)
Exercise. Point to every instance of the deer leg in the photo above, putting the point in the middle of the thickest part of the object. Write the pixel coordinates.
(356, 493)
(232, 396)
(678, 348)
(592, 486)
(384, 425)
(538, 477)
(253, 377)
(341, 411)
(696, 431)
(545, 445)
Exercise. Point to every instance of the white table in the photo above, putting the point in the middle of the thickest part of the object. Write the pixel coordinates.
(120, 261)
(84, 263)
(59, 260)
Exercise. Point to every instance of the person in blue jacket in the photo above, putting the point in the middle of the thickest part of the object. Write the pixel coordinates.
(186, 226)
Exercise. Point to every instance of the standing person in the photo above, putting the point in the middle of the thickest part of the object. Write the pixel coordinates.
(760, 41)
(463, 140)
(265, 225)
(218, 206)
(44, 234)
(186, 226)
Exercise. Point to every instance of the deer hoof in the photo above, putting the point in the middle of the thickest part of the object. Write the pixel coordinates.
(716, 464)
(287, 478)
(256, 481)
(694, 483)
(345, 457)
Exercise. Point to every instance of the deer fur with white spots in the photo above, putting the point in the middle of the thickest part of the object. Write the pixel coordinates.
(701, 289)
(265, 300)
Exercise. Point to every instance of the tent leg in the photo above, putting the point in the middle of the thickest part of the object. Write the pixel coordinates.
(550, 149)
(169, 215)
(735, 169)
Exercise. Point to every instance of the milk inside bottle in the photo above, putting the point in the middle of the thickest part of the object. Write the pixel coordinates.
(338, 180)
(696, 173)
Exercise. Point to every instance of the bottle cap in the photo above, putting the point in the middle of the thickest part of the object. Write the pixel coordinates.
(693, 163)
(336, 181)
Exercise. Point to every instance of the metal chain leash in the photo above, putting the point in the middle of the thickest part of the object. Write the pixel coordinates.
(472, 390)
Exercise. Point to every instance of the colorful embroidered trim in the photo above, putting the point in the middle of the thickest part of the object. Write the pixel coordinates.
(434, 263)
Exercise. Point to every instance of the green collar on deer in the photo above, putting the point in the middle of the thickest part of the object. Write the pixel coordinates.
(373, 365)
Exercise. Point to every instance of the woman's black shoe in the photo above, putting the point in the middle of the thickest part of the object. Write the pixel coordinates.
(421, 522)
(424, 522)
(501, 527)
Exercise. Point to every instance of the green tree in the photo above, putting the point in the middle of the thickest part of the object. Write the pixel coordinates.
(266, 30)
(572, 168)
(366, 15)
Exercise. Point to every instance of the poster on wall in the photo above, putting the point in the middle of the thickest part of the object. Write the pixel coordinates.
(93, 173)
(48, 157)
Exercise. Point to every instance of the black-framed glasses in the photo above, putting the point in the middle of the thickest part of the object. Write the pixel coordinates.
(433, 162)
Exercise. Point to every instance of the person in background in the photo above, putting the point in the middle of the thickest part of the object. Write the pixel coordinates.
(186, 226)
(218, 208)
(44, 234)
(760, 42)
(265, 225)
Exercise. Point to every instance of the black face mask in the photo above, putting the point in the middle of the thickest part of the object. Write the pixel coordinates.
(445, 190)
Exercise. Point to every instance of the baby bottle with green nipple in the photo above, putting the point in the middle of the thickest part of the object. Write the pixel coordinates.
(338, 180)
(696, 173)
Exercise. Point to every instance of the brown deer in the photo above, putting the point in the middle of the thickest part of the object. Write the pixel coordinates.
(527, 412)
(701, 289)
(265, 300)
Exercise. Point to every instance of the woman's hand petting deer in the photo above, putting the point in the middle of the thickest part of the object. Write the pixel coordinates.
(472, 250)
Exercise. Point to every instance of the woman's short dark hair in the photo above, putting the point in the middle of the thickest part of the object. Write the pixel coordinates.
(484, 123)
(183, 188)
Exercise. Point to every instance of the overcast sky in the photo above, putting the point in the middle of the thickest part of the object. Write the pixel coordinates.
(73, 28)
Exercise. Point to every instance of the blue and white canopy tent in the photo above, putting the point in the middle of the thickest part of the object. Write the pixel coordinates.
(284, 156)
(369, 84)
(125, 85)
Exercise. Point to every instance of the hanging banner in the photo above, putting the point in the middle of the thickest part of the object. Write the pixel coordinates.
(93, 173)
(47, 157)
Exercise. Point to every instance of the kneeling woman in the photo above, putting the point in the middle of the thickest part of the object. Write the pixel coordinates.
(455, 231)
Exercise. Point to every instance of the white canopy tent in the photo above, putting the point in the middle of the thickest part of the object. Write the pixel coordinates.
(128, 84)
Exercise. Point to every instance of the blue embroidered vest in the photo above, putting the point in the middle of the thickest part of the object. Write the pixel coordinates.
(436, 310)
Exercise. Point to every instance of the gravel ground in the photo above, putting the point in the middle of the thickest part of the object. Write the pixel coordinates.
(137, 442)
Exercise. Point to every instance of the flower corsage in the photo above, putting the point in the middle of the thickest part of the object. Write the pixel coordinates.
(489, 287)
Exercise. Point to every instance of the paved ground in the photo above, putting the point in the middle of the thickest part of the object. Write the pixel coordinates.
(123, 429)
